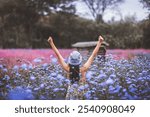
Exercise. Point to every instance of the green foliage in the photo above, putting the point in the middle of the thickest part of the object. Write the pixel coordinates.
(24, 25)
(17, 20)
(47, 6)
(125, 35)
(146, 33)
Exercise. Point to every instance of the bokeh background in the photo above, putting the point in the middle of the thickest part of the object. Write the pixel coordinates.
(28, 23)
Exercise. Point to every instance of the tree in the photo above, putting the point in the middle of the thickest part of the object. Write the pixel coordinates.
(146, 26)
(98, 7)
(46, 6)
(19, 19)
(146, 3)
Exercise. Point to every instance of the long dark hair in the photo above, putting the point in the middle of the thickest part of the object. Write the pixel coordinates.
(74, 73)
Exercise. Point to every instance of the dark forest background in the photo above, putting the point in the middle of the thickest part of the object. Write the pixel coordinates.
(29, 23)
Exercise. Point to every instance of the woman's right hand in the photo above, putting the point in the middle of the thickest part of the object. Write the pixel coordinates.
(50, 40)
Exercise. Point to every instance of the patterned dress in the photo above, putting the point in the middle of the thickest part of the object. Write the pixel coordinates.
(75, 89)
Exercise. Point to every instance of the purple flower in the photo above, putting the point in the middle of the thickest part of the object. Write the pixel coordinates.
(56, 90)
(102, 76)
(30, 67)
(36, 89)
(81, 88)
(5, 70)
(1, 83)
(86, 86)
(75, 85)
(103, 84)
(112, 76)
(67, 81)
(37, 60)
(32, 77)
(53, 74)
(54, 61)
(42, 97)
(8, 87)
(1, 66)
(15, 68)
(89, 74)
(45, 65)
(59, 76)
(20, 93)
(144, 73)
(42, 86)
(88, 95)
(109, 81)
(24, 66)
(6, 77)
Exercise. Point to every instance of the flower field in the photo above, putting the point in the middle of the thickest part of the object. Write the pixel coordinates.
(28, 74)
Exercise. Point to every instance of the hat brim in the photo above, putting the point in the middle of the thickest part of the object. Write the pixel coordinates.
(74, 63)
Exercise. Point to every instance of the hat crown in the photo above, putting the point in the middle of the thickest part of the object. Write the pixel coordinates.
(75, 58)
(75, 55)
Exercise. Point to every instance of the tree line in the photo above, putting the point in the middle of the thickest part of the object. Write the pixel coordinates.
(28, 24)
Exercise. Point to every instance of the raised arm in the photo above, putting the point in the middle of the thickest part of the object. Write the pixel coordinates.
(60, 58)
(94, 53)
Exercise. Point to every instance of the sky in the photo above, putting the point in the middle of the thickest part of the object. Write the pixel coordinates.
(128, 8)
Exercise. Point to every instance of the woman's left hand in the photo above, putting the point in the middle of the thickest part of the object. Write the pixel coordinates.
(100, 39)
(50, 40)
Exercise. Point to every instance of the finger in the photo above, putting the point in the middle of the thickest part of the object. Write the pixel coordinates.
(100, 38)
(48, 40)
(50, 37)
